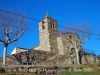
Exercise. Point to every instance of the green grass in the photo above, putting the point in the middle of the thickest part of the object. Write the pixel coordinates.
(97, 72)
(72, 72)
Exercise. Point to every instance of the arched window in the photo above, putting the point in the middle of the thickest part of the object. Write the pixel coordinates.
(43, 27)
(52, 24)
(72, 50)
(70, 36)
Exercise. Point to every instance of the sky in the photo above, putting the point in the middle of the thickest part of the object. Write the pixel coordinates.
(64, 11)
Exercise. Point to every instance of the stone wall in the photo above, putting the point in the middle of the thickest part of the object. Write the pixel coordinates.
(88, 58)
(46, 58)
(36, 56)
(60, 46)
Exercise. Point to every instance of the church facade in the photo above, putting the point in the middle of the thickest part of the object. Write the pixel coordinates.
(60, 44)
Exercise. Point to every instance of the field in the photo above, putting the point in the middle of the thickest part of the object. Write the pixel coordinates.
(97, 72)
(88, 69)
(80, 73)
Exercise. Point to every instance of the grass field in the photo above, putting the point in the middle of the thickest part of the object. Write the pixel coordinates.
(61, 73)
(97, 72)
(80, 73)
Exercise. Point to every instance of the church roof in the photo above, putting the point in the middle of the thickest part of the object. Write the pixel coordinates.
(18, 50)
(47, 16)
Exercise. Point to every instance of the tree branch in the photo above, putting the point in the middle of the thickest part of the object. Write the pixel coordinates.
(2, 41)
(7, 35)
(16, 38)
(71, 40)
(82, 31)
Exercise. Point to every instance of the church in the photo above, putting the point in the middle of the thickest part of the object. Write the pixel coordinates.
(60, 44)
(54, 48)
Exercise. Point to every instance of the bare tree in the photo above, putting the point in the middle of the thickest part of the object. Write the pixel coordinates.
(83, 32)
(12, 26)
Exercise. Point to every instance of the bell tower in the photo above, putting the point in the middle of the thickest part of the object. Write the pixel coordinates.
(48, 32)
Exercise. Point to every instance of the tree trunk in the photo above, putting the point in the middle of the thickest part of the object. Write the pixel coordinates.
(77, 57)
(77, 54)
(4, 54)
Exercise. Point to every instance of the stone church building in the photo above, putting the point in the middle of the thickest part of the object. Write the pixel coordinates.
(54, 48)
(59, 44)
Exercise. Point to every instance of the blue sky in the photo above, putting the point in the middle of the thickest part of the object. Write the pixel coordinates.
(64, 11)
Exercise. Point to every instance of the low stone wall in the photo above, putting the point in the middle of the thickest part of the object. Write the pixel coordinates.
(36, 56)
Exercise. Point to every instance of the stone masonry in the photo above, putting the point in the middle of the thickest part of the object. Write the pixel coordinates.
(48, 35)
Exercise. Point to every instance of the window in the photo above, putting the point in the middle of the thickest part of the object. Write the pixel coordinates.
(52, 24)
(70, 36)
(72, 50)
(43, 27)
